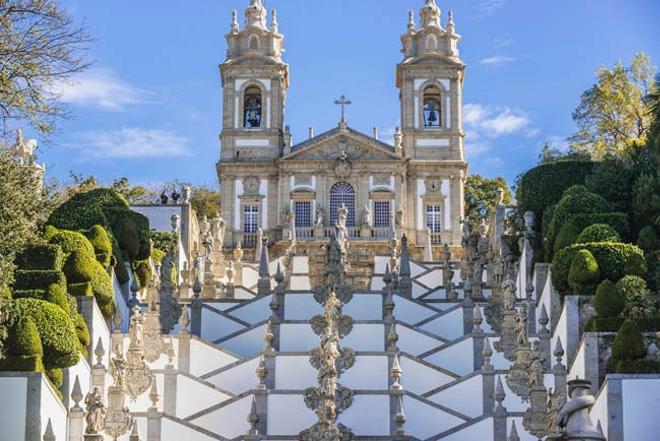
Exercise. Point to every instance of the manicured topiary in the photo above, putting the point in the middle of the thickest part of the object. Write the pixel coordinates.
(100, 240)
(568, 234)
(70, 241)
(629, 343)
(23, 346)
(38, 279)
(584, 273)
(598, 233)
(653, 270)
(103, 290)
(57, 295)
(80, 289)
(82, 332)
(56, 378)
(142, 271)
(618, 221)
(648, 239)
(56, 330)
(638, 302)
(611, 258)
(635, 266)
(127, 236)
(79, 267)
(40, 257)
(157, 254)
(5, 292)
(577, 199)
(608, 301)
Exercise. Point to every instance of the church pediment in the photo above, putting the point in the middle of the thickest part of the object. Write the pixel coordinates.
(347, 144)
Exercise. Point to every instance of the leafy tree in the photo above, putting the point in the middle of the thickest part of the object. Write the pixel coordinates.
(205, 201)
(481, 196)
(25, 206)
(40, 48)
(134, 194)
(80, 184)
(614, 114)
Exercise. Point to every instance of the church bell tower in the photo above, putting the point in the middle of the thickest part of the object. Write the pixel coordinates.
(254, 81)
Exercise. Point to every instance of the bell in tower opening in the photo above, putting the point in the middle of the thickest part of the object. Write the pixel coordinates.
(432, 107)
(252, 106)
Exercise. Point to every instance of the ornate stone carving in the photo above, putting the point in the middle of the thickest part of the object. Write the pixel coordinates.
(251, 186)
(573, 420)
(95, 411)
(381, 180)
(343, 398)
(343, 165)
(133, 374)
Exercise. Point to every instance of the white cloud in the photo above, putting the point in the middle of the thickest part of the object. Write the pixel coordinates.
(129, 143)
(488, 7)
(497, 60)
(504, 123)
(492, 122)
(100, 88)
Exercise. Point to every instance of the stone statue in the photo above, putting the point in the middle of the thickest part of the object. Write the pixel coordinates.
(118, 371)
(290, 220)
(340, 226)
(163, 197)
(573, 419)
(176, 223)
(94, 411)
(186, 194)
(366, 216)
(319, 219)
(521, 327)
(536, 370)
(467, 231)
(218, 227)
(399, 217)
(175, 196)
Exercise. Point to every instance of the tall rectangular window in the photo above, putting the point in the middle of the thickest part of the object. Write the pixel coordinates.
(303, 212)
(381, 214)
(433, 216)
(250, 218)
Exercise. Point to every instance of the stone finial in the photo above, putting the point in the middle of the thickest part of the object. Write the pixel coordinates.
(513, 435)
(398, 143)
(263, 285)
(99, 352)
(170, 352)
(544, 320)
(411, 23)
(197, 286)
(559, 353)
(184, 321)
(404, 265)
(117, 319)
(269, 336)
(399, 417)
(76, 394)
(573, 419)
(477, 320)
(253, 418)
(234, 22)
(429, 15)
(255, 15)
(279, 275)
(387, 277)
(396, 372)
(261, 372)
(49, 434)
(153, 393)
(487, 353)
(392, 338)
(274, 25)
(135, 432)
(499, 396)
(389, 307)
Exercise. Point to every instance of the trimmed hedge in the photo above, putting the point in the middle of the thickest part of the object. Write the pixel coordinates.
(584, 273)
(618, 221)
(612, 324)
(24, 350)
(80, 289)
(611, 258)
(629, 342)
(638, 367)
(635, 266)
(637, 299)
(608, 300)
(70, 241)
(577, 199)
(544, 184)
(598, 233)
(79, 267)
(38, 279)
(103, 290)
(100, 240)
(568, 235)
(56, 330)
(40, 257)
(82, 332)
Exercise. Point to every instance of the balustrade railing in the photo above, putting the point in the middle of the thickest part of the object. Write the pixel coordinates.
(355, 233)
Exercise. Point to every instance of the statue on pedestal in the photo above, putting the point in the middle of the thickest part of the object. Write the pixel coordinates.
(94, 411)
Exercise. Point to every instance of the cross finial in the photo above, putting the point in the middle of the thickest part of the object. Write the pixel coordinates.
(343, 102)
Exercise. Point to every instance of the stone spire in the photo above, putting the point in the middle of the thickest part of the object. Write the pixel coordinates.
(255, 15)
(49, 434)
(235, 28)
(274, 25)
(429, 15)
(405, 283)
(513, 435)
(263, 285)
(411, 22)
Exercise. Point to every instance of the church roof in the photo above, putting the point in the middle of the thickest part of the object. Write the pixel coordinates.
(346, 131)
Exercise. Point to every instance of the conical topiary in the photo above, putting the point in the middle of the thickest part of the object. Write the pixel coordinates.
(608, 301)
(629, 343)
(567, 236)
(584, 273)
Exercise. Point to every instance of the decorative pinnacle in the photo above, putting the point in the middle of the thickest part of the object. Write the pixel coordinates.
(268, 338)
(262, 372)
(253, 417)
(396, 372)
(49, 434)
(543, 320)
(99, 352)
(387, 277)
(197, 286)
(170, 352)
(477, 320)
(117, 319)
(513, 435)
(76, 394)
(153, 393)
(559, 351)
(499, 396)
(279, 276)
(487, 352)
(399, 417)
(392, 338)
(274, 25)
(411, 21)
(234, 22)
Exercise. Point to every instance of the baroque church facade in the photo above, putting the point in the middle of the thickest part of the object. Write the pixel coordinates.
(289, 190)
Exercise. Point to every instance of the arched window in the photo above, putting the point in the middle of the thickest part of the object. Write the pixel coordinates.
(252, 108)
(431, 43)
(432, 107)
(342, 193)
(254, 43)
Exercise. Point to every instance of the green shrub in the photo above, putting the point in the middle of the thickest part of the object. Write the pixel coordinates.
(100, 240)
(56, 378)
(638, 302)
(608, 300)
(584, 274)
(165, 241)
(618, 221)
(82, 332)
(103, 290)
(70, 241)
(157, 254)
(635, 266)
(24, 350)
(142, 271)
(9, 314)
(127, 236)
(577, 199)
(648, 239)
(568, 234)
(57, 332)
(80, 289)
(38, 279)
(84, 210)
(79, 267)
(612, 324)
(653, 270)
(57, 295)
(628, 343)
(638, 367)
(598, 233)
(5, 292)
(611, 258)
(544, 184)
(40, 257)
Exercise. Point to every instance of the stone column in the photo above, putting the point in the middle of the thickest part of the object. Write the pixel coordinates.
(196, 310)
(169, 392)
(183, 358)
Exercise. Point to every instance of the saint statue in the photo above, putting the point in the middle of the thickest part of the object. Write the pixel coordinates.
(94, 411)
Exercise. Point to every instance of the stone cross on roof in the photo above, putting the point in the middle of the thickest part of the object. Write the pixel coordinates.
(343, 102)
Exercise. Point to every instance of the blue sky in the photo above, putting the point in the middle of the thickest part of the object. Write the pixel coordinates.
(149, 109)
